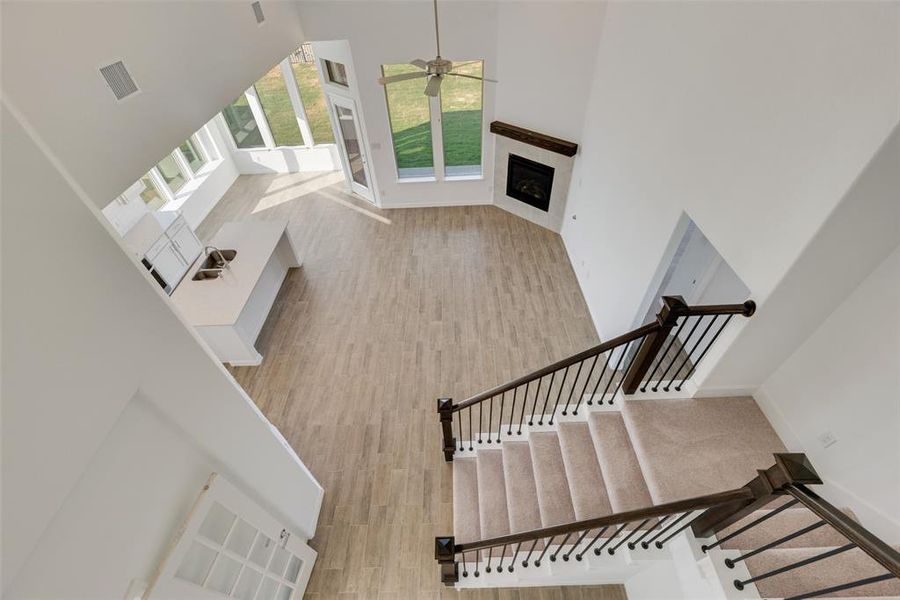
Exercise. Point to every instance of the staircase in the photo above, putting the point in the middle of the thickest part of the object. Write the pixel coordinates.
(562, 477)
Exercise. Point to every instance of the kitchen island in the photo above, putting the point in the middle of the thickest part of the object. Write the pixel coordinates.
(228, 311)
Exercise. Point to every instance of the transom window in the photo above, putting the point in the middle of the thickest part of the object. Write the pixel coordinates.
(336, 73)
(436, 138)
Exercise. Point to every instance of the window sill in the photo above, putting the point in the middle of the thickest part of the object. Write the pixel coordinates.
(465, 178)
(435, 179)
(191, 186)
(416, 179)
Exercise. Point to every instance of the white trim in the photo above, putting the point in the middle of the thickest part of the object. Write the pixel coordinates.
(183, 165)
(262, 123)
(161, 186)
(293, 92)
(416, 179)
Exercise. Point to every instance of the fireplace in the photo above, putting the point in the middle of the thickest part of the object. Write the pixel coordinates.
(529, 181)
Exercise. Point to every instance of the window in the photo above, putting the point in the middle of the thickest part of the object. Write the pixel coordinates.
(303, 65)
(336, 73)
(171, 174)
(410, 116)
(279, 111)
(242, 124)
(436, 137)
(461, 121)
(192, 156)
(149, 194)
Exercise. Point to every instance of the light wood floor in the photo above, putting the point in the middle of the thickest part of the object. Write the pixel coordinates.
(391, 310)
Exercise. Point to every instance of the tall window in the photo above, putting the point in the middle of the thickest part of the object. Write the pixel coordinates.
(455, 117)
(461, 120)
(242, 124)
(410, 116)
(192, 156)
(284, 108)
(150, 194)
(276, 104)
(303, 65)
(171, 173)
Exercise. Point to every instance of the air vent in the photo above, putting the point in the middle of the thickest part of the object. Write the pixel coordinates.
(119, 80)
(258, 13)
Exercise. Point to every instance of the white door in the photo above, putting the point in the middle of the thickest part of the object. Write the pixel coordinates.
(169, 264)
(185, 241)
(229, 547)
(351, 146)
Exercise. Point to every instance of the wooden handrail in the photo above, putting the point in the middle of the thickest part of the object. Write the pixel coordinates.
(747, 309)
(850, 529)
(622, 518)
(560, 364)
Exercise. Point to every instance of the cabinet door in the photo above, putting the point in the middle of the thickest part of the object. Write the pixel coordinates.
(169, 264)
(186, 243)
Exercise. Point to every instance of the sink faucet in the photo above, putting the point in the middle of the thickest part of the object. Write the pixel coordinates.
(221, 263)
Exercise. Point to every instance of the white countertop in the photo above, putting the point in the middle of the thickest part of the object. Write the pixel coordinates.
(220, 301)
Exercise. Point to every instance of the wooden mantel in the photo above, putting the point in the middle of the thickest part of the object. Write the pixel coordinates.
(533, 138)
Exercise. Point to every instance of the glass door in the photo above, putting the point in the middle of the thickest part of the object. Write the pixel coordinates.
(352, 148)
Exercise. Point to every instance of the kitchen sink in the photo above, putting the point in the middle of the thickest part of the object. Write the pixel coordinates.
(211, 268)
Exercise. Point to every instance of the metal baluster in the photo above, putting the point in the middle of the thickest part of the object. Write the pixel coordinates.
(593, 541)
(660, 544)
(480, 423)
(845, 586)
(487, 569)
(662, 356)
(600, 379)
(477, 562)
(622, 379)
(465, 568)
(599, 551)
(750, 525)
(537, 563)
(512, 411)
(459, 419)
(547, 398)
(729, 562)
(802, 563)
(500, 418)
(565, 539)
(490, 419)
(574, 384)
(528, 556)
(562, 384)
(569, 553)
(470, 429)
(613, 375)
(688, 356)
(584, 387)
(646, 544)
(626, 538)
(502, 556)
(634, 544)
(537, 394)
(522, 414)
(674, 358)
(512, 563)
(711, 342)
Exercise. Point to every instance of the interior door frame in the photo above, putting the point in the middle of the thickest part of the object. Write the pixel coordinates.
(335, 100)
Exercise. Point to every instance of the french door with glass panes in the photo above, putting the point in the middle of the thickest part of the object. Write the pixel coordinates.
(229, 547)
(351, 146)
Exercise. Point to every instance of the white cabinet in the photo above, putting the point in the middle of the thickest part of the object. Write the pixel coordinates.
(170, 256)
(169, 265)
(184, 240)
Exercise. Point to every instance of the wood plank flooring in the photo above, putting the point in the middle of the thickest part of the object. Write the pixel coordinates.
(391, 310)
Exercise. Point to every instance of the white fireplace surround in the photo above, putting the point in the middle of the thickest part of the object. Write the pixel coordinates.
(553, 218)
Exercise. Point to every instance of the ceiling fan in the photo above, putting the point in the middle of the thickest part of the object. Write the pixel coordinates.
(435, 70)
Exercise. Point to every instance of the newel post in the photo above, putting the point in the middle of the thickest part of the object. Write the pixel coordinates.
(790, 468)
(673, 307)
(445, 410)
(445, 554)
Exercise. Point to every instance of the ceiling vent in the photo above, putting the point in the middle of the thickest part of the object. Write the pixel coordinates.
(258, 13)
(119, 80)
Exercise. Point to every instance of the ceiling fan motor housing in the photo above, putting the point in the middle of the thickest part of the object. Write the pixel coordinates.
(439, 66)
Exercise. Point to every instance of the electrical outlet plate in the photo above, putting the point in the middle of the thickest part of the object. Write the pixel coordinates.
(827, 439)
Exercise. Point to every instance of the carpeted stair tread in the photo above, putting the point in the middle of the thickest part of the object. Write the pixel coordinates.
(586, 485)
(622, 474)
(521, 490)
(466, 523)
(492, 506)
(699, 446)
(786, 522)
(554, 500)
(835, 570)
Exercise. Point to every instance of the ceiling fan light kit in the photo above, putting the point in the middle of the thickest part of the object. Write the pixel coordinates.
(435, 70)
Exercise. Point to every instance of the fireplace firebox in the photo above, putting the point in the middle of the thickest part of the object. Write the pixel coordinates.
(529, 182)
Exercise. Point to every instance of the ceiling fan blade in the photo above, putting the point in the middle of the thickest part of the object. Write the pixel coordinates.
(422, 64)
(401, 77)
(473, 77)
(433, 86)
(465, 64)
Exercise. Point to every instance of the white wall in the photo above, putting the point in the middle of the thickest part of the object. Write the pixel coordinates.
(189, 59)
(845, 378)
(514, 39)
(756, 137)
